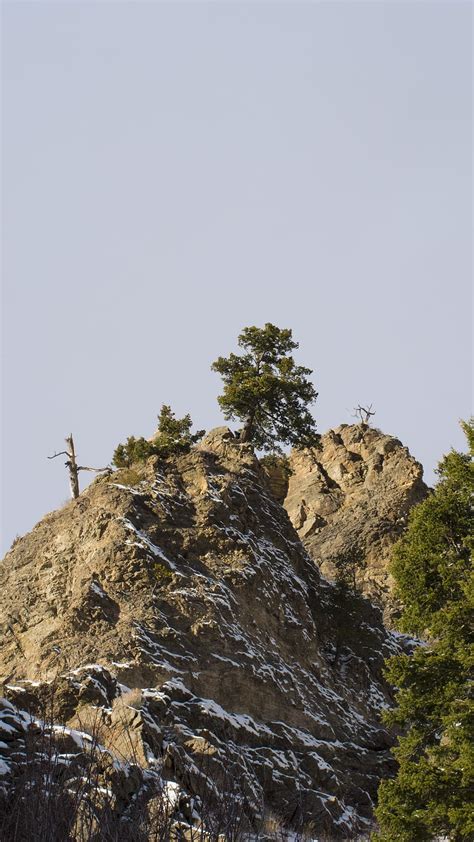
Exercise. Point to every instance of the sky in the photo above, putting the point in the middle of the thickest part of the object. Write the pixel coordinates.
(175, 171)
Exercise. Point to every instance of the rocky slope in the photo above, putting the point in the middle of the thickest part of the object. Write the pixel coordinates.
(354, 494)
(184, 584)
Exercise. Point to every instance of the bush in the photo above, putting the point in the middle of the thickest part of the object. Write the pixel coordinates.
(172, 436)
(127, 476)
(161, 572)
(132, 452)
(15, 541)
(102, 794)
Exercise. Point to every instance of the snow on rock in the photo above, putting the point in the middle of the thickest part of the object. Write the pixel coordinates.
(198, 596)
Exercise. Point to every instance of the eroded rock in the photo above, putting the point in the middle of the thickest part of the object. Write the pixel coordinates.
(191, 590)
(355, 494)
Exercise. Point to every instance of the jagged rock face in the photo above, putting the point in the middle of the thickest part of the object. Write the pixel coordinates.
(186, 580)
(355, 492)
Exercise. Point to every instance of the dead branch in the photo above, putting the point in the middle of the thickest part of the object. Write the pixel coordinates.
(363, 413)
(108, 469)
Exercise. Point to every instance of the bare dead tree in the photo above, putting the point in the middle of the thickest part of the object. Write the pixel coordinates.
(363, 413)
(73, 467)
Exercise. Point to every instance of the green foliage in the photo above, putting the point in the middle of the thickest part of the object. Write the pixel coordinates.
(161, 573)
(172, 436)
(432, 564)
(132, 452)
(264, 388)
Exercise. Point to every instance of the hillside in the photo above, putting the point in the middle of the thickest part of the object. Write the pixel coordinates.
(185, 582)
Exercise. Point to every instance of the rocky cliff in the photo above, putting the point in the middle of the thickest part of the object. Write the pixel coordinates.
(354, 495)
(183, 584)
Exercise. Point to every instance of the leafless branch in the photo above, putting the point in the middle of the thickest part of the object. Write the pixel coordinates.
(96, 470)
(61, 453)
(363, 413)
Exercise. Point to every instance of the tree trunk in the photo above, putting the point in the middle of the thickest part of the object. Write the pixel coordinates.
(72, 467)
(247, 429)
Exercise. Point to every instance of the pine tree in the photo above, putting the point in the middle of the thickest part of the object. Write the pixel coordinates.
(431, 796)
(265, 389)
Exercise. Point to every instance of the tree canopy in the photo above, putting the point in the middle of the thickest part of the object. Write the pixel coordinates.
(267, 391)
(431, 797)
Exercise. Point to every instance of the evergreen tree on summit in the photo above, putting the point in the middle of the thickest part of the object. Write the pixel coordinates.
(267, 391)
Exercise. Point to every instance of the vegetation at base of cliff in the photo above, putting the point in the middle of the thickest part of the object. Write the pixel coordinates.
(173, 436)
(432, 564)
(265, 389)
(100, 792)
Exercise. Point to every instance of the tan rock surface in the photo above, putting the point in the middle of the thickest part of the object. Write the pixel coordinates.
(191, 586)
(355, 492)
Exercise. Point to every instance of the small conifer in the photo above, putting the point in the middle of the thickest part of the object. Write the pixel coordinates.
(173, 436)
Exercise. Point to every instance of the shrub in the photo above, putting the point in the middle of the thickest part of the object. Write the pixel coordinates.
(133, 451)
(161, 572)
(127, 476)
(172, 436)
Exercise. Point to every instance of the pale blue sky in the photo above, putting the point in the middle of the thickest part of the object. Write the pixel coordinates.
(173, 172)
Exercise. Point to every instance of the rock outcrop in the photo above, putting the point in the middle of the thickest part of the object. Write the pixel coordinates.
(355, 495)
(184, 582)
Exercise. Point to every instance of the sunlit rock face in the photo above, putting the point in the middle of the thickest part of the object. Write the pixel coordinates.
(355, 494)
(184, 583)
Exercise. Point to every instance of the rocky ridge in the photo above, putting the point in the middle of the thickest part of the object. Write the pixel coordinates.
(184, 582)
(354, 494)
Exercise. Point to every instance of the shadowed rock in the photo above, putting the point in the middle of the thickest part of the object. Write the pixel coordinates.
(192, 586)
